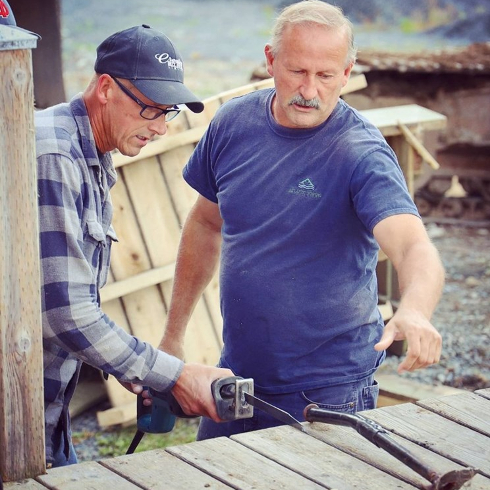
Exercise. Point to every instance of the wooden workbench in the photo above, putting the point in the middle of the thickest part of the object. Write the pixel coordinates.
(447, 433)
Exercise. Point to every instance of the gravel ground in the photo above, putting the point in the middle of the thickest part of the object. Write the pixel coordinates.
(463, 314)
(85, 428)
(462, 317)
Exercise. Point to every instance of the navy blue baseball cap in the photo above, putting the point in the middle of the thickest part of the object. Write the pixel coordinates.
(151, 62)
(7, 18)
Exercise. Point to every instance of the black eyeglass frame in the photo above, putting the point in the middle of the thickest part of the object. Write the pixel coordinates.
(169, 113)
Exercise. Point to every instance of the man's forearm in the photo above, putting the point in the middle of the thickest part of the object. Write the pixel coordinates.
(421, 279)
(197, 261)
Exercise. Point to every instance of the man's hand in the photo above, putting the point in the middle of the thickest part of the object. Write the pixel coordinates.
(193, 389)
(424, 343)
(137, 390)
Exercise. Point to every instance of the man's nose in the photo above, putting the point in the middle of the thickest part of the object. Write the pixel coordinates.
(158, 125)
(308, 88)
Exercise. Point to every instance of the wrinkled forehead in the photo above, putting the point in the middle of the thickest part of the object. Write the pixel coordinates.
(314, 41)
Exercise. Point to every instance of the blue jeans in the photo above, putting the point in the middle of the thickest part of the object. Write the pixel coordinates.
(61, 456)
(348, 398)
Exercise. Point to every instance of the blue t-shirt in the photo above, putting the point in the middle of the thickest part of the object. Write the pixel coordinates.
(297, 274)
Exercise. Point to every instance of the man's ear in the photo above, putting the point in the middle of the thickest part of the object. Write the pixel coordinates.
(347, 73)
(269, 58)
(103, 88)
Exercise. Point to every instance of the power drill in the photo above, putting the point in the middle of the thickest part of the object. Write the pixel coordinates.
(158, 418)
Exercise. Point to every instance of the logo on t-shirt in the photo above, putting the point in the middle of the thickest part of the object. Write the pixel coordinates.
(305, 188)
(306, 184)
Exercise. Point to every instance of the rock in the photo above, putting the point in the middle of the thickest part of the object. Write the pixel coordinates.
(472, 282)
(434, 231)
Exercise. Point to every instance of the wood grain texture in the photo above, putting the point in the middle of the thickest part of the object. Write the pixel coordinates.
(84, 476)
(159, 469)
(21, 380)
(317, 461)
(466, 409)
(348, 440)
(326, 456)
(428, 429)
(240, 467)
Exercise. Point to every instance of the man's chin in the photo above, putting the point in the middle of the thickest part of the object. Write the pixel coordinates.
(130, 152)
(305, 120)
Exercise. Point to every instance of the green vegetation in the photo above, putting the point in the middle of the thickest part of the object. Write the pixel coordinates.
(115, 442)
(420, 21)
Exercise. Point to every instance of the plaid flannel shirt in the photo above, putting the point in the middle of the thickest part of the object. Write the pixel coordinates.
(75, 214)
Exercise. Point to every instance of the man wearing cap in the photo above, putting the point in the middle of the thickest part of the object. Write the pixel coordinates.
(136, 89)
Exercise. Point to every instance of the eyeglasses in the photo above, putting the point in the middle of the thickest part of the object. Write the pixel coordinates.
(150, 112)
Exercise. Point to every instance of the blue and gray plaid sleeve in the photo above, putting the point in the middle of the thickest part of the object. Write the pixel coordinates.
(75, 251)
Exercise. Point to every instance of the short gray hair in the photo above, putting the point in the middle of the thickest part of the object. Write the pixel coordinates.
(313, 12)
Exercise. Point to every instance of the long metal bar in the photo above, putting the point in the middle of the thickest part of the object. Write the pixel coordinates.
(374, 433)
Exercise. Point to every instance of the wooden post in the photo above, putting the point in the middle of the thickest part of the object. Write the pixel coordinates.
(21, 373)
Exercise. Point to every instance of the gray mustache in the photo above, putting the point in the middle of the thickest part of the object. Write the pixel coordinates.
(297, 99)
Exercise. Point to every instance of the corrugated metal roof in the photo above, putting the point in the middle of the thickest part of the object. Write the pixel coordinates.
(474, 59)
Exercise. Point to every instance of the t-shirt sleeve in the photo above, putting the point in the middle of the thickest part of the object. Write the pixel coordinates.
(198, 172)
(378, 188)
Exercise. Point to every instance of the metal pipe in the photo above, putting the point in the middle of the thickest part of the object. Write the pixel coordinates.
(374, 433)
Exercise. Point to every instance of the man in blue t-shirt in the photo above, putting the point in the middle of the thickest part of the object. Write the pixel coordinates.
(297, 194)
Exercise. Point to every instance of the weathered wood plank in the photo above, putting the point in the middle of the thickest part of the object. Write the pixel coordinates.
(387, 119)
(144, 309)
(240, 467)
(153, 209)
(406, 158)
(87, 394)
(347, 439)
(317, 461)
(466, 409)
(21, 378)
(132, 284)
(84, 476)
(204, 328)
(485, 393)
(245, 89)
(182, 195)
(410, 391)
(418, 147)
(24, 485)
(437, 433)
(119, 414)
(159, 469)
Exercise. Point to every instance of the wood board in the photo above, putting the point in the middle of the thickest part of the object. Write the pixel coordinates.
(325, 456)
